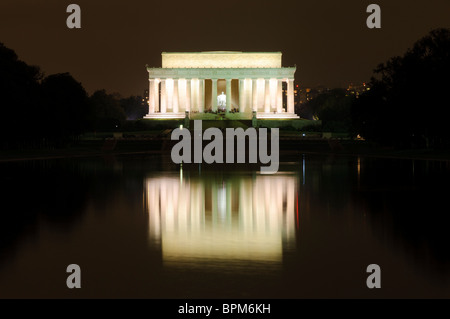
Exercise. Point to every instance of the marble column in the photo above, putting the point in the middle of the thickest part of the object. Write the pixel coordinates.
(156, 95)
(267, 96)
(214, 95)
(169, 93)
(194, 95)
(273, 94)
(181, 95)
(279, 95)
(261, 95)
(175, 104)
(254, 95)
(290, 96)
(248, 95)
(151, 96)
(201, 95)
(228, 95)
(241, 96)
(163, 96)
(188, 95)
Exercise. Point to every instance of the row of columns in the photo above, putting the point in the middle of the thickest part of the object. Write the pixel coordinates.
(188, 95)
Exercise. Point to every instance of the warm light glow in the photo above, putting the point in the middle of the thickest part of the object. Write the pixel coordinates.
(244, 218)
(273, 84)
(169, 92)
(221, 59)
(359, 166)
(179, 115)
(261, 115)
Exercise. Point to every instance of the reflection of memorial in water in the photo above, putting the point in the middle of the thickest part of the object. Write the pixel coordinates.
(216, 220)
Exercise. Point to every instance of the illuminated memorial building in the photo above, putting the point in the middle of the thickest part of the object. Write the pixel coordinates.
(242, 83)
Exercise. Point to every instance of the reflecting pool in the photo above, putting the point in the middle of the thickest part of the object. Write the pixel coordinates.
(141, 227)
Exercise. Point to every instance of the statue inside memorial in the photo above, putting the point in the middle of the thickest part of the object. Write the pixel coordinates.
(222, 102)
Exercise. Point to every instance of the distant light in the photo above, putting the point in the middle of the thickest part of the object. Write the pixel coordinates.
(181, 173)
(117, 125)
(304, 134)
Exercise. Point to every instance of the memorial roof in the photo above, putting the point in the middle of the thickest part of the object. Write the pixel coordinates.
(221, 59)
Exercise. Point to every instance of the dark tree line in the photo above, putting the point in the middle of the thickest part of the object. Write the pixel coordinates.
(40, 111)
(333, 108)
(408, 103)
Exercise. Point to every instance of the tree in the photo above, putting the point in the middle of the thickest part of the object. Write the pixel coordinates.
(106, 111)
(37, 111)
(134, 107)
(333, 108)
(19, 96)
(407, 105)
(54, 110)
(64, 107)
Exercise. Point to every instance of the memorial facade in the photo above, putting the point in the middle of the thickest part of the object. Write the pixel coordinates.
(244, 83)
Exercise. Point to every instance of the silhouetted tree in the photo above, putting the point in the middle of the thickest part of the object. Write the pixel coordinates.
(408, 102)
(106, 111)
(134, 107)
(19, 99)
(55, 110)
(65, 108)
(333, 108)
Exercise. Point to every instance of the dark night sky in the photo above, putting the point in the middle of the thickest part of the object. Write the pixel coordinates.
(328, 40)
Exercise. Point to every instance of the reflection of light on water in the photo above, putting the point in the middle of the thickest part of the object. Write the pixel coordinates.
(359, 171)
(222, 202)
(359, 166)
(181, 174)
(242, 218)
(304, 170)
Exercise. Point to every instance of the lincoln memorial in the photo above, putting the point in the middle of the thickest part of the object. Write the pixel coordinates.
(240, 84)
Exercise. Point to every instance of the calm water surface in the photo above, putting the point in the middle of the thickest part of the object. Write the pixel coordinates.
(140, 227)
